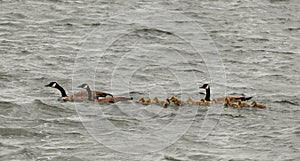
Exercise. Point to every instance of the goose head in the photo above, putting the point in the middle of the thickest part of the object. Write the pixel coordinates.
(52, 85)
(84, 85)
(204, 86)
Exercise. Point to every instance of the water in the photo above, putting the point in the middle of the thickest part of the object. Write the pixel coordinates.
(63, 41)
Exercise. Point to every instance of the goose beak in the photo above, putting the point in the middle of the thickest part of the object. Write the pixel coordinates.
(48, 85)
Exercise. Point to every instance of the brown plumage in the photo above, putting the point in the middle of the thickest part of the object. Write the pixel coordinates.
(229, 103)
(255, 104)
(203, 102)
(177, 101)
(166, 103)
(190, 101)
(155, 100)
(94, 95)
(102, 97)
(243, 103)
(113, 99)
(144, 101)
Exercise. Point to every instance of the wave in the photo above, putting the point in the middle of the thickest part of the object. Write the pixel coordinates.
(19, 154)
(19, 132)
(33, 110)
(287, 102)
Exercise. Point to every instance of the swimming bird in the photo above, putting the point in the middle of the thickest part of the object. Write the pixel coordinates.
(96, 95)
(243, 103)
(177, 101)
(190, 101)
(79, 96)
(203, 102)
(148, 101)
(84, 95)
(255, 104)
(101, 97)
(144, 101)
(229, 103)
(155, 100)
(85, 86)
(222, 99)
(164, 103)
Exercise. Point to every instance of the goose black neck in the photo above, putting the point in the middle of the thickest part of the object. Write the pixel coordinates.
(62, 91)
(207, 96)
(90, 97)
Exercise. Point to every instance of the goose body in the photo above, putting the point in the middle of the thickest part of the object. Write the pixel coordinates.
(94, 95)
(222, 99)
(101, 97)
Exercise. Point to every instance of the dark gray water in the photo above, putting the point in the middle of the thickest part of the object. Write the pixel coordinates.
(143, 49)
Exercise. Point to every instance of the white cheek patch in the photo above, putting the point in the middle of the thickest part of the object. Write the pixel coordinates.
(53, 86)
(85, 86)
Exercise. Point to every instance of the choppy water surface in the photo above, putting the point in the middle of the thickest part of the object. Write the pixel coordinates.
(64, 41)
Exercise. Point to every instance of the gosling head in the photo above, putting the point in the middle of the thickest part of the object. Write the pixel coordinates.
(52, 85)
(202, 100)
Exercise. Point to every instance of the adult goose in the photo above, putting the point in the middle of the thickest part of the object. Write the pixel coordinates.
(79, 96)
(222, 99)
(102, 97)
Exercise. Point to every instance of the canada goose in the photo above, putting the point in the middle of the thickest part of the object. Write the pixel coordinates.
(80, 96)
(94, 95)
(243, 104)
(255, 104)
(222, 99)
(85, 86)
(84, 96)
(177, 101)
